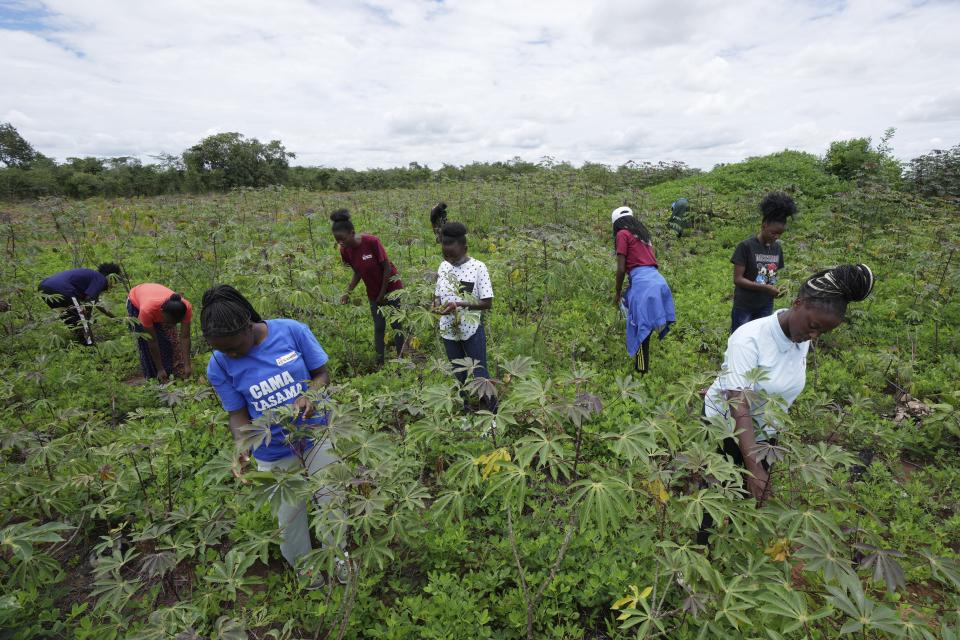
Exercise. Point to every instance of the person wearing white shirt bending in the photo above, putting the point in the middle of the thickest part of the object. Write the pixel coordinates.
(776, 347)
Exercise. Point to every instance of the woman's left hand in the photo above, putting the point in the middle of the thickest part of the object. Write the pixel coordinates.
(305, 408)
(616, 299)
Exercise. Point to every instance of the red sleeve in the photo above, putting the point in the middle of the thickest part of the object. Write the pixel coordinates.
(623, 241)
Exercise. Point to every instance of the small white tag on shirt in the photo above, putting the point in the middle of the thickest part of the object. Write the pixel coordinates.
(290, 357)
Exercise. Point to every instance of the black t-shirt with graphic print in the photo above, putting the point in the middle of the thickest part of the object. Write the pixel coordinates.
(761, 264)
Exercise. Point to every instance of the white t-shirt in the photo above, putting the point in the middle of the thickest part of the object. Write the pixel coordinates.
(760, 344)
(469, 282)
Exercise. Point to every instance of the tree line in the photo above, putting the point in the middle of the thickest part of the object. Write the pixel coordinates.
(227, 161)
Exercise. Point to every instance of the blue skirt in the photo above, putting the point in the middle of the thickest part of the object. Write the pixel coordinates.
(649, 304)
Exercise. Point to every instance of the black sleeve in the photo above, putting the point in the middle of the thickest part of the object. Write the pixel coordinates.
(741, 255)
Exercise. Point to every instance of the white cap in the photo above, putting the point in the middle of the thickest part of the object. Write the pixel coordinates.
(619, 212)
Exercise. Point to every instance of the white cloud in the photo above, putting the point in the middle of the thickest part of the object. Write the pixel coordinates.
(389, 82)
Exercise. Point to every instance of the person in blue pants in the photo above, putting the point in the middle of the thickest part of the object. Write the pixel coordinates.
(463, 292)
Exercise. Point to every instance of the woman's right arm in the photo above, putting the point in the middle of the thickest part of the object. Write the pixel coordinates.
(239, 418)
(621, 272)
(353, 285)
(154, 348)
(746, 439)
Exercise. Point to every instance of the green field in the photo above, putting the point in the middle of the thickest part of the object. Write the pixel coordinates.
(120, 517)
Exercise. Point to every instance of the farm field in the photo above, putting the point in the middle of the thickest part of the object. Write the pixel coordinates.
(120, 516)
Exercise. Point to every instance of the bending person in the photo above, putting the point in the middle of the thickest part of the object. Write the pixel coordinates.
(757, 262)
(260, 364)
(463, 292)
(366, 256)
(648, 302)
(438, 218)
(84, 286)
(157, 310)
(777, 345)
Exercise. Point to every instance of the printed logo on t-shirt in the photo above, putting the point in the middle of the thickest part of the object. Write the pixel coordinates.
(290, 357)
(274, 391)
(766, 268)
(367, 256)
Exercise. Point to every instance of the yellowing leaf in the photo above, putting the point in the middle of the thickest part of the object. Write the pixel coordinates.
(658, 491)
(632, 599)
(515, 276)
(779, 550)
(415, 342)
(491, 461)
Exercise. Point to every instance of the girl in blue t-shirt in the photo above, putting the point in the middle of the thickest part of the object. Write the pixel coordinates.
(258, 365)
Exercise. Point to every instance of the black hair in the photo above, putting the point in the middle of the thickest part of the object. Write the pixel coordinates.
(225, 312)
(174, 307)
(833, 289)
(632, 225)
(454, 232)
(438, 215)
(341, 221)
(108, 269)
(777, 207)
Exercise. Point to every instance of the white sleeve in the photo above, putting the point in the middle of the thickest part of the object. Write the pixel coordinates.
(483, 288)
(742, 357)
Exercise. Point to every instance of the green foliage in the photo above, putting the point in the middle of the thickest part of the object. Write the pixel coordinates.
(122, 515)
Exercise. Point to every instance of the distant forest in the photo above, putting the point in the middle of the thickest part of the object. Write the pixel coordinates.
(226, 161)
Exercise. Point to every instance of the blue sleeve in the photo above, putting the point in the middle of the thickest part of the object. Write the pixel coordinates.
(313, 354)
(98, 282)
(230, 398)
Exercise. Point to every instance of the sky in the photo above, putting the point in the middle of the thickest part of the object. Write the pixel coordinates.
(383, 83)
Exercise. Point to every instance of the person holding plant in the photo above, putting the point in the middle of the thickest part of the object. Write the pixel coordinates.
(259, 365)
(648, 302)
(776, 346)
(69, 290)
(462, 293)
(157, 310)
(757, 262)
(365, 254)
(438, 218)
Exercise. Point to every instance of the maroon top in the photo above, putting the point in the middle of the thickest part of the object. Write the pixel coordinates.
(366, 259)
(638, 253)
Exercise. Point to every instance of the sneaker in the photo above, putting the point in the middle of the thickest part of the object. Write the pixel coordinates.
(344, 569)
(311, 581)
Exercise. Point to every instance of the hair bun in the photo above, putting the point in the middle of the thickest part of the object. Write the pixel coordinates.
(176, 297)
(854, 280)
(440, 208)
(340, 215)
(454, 230)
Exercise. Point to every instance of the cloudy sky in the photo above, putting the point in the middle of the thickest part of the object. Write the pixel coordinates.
(388, 82)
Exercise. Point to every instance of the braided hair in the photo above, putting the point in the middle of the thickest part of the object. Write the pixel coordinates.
(834, 288)
(225, 312)
(777, 207)
(632, 225)
(174, 307)
(341, 222)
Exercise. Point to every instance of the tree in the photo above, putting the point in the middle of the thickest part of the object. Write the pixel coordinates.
(14, 150)
(227, 160)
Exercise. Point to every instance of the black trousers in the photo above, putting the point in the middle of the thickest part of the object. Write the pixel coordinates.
(380, 329)
(731, 449)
